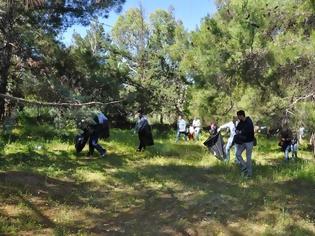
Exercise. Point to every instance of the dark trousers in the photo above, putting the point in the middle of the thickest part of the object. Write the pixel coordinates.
(93, 144)
(141, 142)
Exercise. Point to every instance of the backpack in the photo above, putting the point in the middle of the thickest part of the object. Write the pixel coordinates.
(102, 128)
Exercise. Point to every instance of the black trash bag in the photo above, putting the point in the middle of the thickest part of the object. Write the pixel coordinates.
(215, 145)
(145, 135)
(80, 140)
(104, 130)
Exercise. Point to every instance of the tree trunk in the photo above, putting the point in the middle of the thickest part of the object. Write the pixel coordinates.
(6, 28)
(5, 59)
(161, 119)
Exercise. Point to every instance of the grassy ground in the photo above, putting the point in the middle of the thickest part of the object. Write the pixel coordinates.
(170, 189)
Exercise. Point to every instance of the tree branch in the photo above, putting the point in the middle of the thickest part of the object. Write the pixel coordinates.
(302, 98)
(55, 104)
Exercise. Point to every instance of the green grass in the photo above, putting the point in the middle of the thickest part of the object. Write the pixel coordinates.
(170, 189)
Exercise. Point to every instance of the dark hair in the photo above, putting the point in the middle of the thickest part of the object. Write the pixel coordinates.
(240, 113)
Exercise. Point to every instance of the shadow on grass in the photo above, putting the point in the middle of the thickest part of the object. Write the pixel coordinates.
(222, 199)
(62, 161)
(201, 195)
(165, 199)
(35, 192)
(188, 152)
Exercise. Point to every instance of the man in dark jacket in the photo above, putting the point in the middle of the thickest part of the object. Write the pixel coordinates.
(286, 141)
(244, 140)
(98, 130)
(94, 127)
(144, 132)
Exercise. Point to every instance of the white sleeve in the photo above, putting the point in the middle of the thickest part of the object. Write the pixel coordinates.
(227, 125)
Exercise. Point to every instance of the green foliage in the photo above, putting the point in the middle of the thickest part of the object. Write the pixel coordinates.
(251, 55)
(154, 76)
(305, 116)
(31, 57)
(260, 54)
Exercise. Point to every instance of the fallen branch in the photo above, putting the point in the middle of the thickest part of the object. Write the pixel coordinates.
(55, 104)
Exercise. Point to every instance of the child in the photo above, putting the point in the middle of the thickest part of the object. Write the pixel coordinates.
(191, 132)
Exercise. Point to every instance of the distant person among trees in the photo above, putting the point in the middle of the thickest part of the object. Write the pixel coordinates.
(93, 127)
(144, 132)
(232, 129)
(197, 127)
(286, 137)
(181, 128)
(244, 140)
(312, 143)
(301, 134)
(294, 146)
(213, 128)
(191, 132)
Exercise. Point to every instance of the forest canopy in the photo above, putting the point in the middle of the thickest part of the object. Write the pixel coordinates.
(251, 55)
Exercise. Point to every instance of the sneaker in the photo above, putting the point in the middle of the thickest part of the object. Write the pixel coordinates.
(103, 154)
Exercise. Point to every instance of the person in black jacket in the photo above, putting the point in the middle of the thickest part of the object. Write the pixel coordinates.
(286, 136)
(99, 129)
(144, 132)
(93, 127)
(244, 140)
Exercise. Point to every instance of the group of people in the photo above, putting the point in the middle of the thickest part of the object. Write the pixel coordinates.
(241, 131)
(97, 127)
(241, 135)
(188, 130)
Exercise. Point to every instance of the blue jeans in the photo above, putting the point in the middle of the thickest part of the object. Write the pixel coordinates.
(239, 150)
(290, 148)
(179, 133)
(93, 144)
(197, 133)
(294, 149)
(228, 148)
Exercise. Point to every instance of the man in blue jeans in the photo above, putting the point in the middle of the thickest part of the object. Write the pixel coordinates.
(244, 140)
(96, 131)
(94, 127)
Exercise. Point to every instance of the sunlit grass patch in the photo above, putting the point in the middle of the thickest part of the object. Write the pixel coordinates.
(170, 187)
(86, 175)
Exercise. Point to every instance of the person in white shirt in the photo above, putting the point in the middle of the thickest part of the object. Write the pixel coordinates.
(232, 129)
(181, 128)
(301, 134)
(197, 126)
